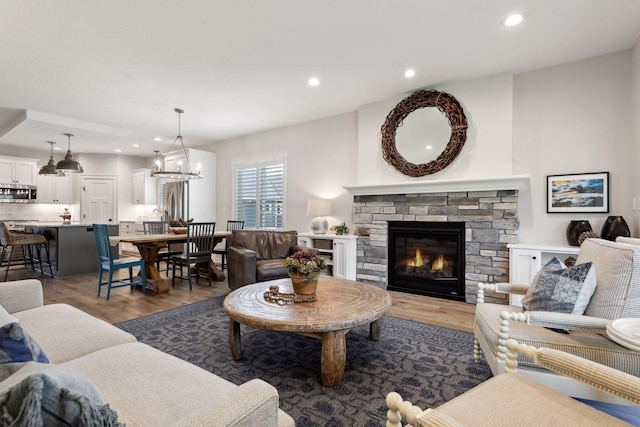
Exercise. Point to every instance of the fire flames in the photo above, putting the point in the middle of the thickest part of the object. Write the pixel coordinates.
(437, 265)
(418, 261)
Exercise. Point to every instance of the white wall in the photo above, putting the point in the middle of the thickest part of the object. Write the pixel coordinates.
(487, 103)
(573, 118)
(566, 119)
(321, 158)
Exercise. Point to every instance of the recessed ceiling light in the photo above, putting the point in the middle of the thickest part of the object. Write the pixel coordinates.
(428, 147)
(136, 145)
(157, 139)
(57, 148)
(313, 81)
(118, 150)
(410, 73)
(512, 20)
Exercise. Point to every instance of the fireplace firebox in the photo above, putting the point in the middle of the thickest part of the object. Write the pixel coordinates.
(427, 258)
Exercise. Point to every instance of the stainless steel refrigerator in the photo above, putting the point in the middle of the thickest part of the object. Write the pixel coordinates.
(176, 200)
(190, 199)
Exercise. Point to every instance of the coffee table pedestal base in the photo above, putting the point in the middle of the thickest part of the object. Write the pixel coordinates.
(333, 357)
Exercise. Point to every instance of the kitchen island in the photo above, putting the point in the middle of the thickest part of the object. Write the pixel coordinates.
(72, 247)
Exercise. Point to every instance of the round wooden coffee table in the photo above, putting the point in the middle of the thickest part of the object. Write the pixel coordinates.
(340, 306)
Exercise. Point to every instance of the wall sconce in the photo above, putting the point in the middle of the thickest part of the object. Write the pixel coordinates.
(319, 208)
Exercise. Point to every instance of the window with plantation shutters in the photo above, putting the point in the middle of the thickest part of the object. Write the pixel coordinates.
(259, 194)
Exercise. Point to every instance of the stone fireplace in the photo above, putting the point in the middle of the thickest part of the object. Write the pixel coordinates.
(490, 218)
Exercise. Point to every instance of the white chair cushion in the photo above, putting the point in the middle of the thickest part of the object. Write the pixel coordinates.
(588, 345)
(617, 268)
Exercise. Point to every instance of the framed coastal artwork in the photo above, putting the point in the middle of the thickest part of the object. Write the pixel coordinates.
(578, 193)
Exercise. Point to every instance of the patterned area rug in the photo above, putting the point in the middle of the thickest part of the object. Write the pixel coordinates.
(426, 364)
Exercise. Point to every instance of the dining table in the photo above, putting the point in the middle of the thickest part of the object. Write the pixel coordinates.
(149, 245)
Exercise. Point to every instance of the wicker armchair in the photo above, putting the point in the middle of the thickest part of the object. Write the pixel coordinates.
(27, 244)
(513, 400)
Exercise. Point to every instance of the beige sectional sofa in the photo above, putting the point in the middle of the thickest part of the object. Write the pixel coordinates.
(145, 386)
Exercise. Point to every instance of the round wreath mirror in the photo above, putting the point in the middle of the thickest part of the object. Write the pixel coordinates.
(430, 143)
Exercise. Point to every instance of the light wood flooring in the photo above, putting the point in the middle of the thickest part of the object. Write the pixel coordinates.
(80, 292)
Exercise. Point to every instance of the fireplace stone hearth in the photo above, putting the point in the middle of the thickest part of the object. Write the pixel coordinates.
(491, 222)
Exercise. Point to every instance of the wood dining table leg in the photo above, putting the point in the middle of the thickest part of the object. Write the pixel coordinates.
(149, 253)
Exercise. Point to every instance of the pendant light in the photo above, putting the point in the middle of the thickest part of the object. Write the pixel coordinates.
(156, 163)
(159, 171)
(50, 168)
(68, 164)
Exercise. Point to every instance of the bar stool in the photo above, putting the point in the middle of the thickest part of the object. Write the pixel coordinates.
(28, 243)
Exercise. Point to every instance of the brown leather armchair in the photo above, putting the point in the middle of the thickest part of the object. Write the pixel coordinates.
(258, 255)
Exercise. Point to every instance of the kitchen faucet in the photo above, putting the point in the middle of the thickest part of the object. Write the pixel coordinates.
(160, 212)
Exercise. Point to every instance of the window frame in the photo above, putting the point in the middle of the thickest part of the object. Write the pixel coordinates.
(257, 164)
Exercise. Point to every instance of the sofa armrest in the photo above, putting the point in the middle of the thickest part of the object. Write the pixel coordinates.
(602, 377)
(21, 295)
(252, 403)
(500, 288)
(241, 266)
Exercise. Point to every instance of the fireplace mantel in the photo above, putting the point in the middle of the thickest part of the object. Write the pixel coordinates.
(515, 182)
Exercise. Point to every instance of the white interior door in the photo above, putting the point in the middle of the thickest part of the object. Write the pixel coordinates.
(99, 200)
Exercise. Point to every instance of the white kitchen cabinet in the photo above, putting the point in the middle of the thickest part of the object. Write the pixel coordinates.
(55, 189)
(130, 228)
(338, 251)
(145, 188)
(17, 170)
(526, 260)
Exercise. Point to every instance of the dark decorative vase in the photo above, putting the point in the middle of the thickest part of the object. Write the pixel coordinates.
(575, 229)
(615, 226)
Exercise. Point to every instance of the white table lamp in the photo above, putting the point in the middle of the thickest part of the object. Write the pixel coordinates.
(319, 208)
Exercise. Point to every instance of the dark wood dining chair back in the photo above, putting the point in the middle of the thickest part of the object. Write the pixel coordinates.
(199, 247)
(235, 225)
(156, 227)
(231, 225)
(162, 227)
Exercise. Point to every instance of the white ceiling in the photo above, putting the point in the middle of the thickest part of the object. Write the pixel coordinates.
(112, 72)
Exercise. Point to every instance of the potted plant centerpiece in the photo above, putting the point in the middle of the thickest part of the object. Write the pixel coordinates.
(304, 268)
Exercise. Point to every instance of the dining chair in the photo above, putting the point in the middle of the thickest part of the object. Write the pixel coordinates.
(198, 250)
(162, 227)
(28, 243)
(107, 262)
(231, 225)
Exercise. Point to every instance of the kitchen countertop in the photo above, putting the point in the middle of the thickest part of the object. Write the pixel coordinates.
(39, 224)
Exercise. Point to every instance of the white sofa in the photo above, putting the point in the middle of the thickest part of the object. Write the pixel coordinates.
(143, 385)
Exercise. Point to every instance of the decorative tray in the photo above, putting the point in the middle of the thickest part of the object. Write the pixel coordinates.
(626, 332)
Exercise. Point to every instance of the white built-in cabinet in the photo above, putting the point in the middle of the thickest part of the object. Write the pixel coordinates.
(130, 228)
(55, 189)
(526, 260)
(338, 251)
(145, 188)
(16, 170)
